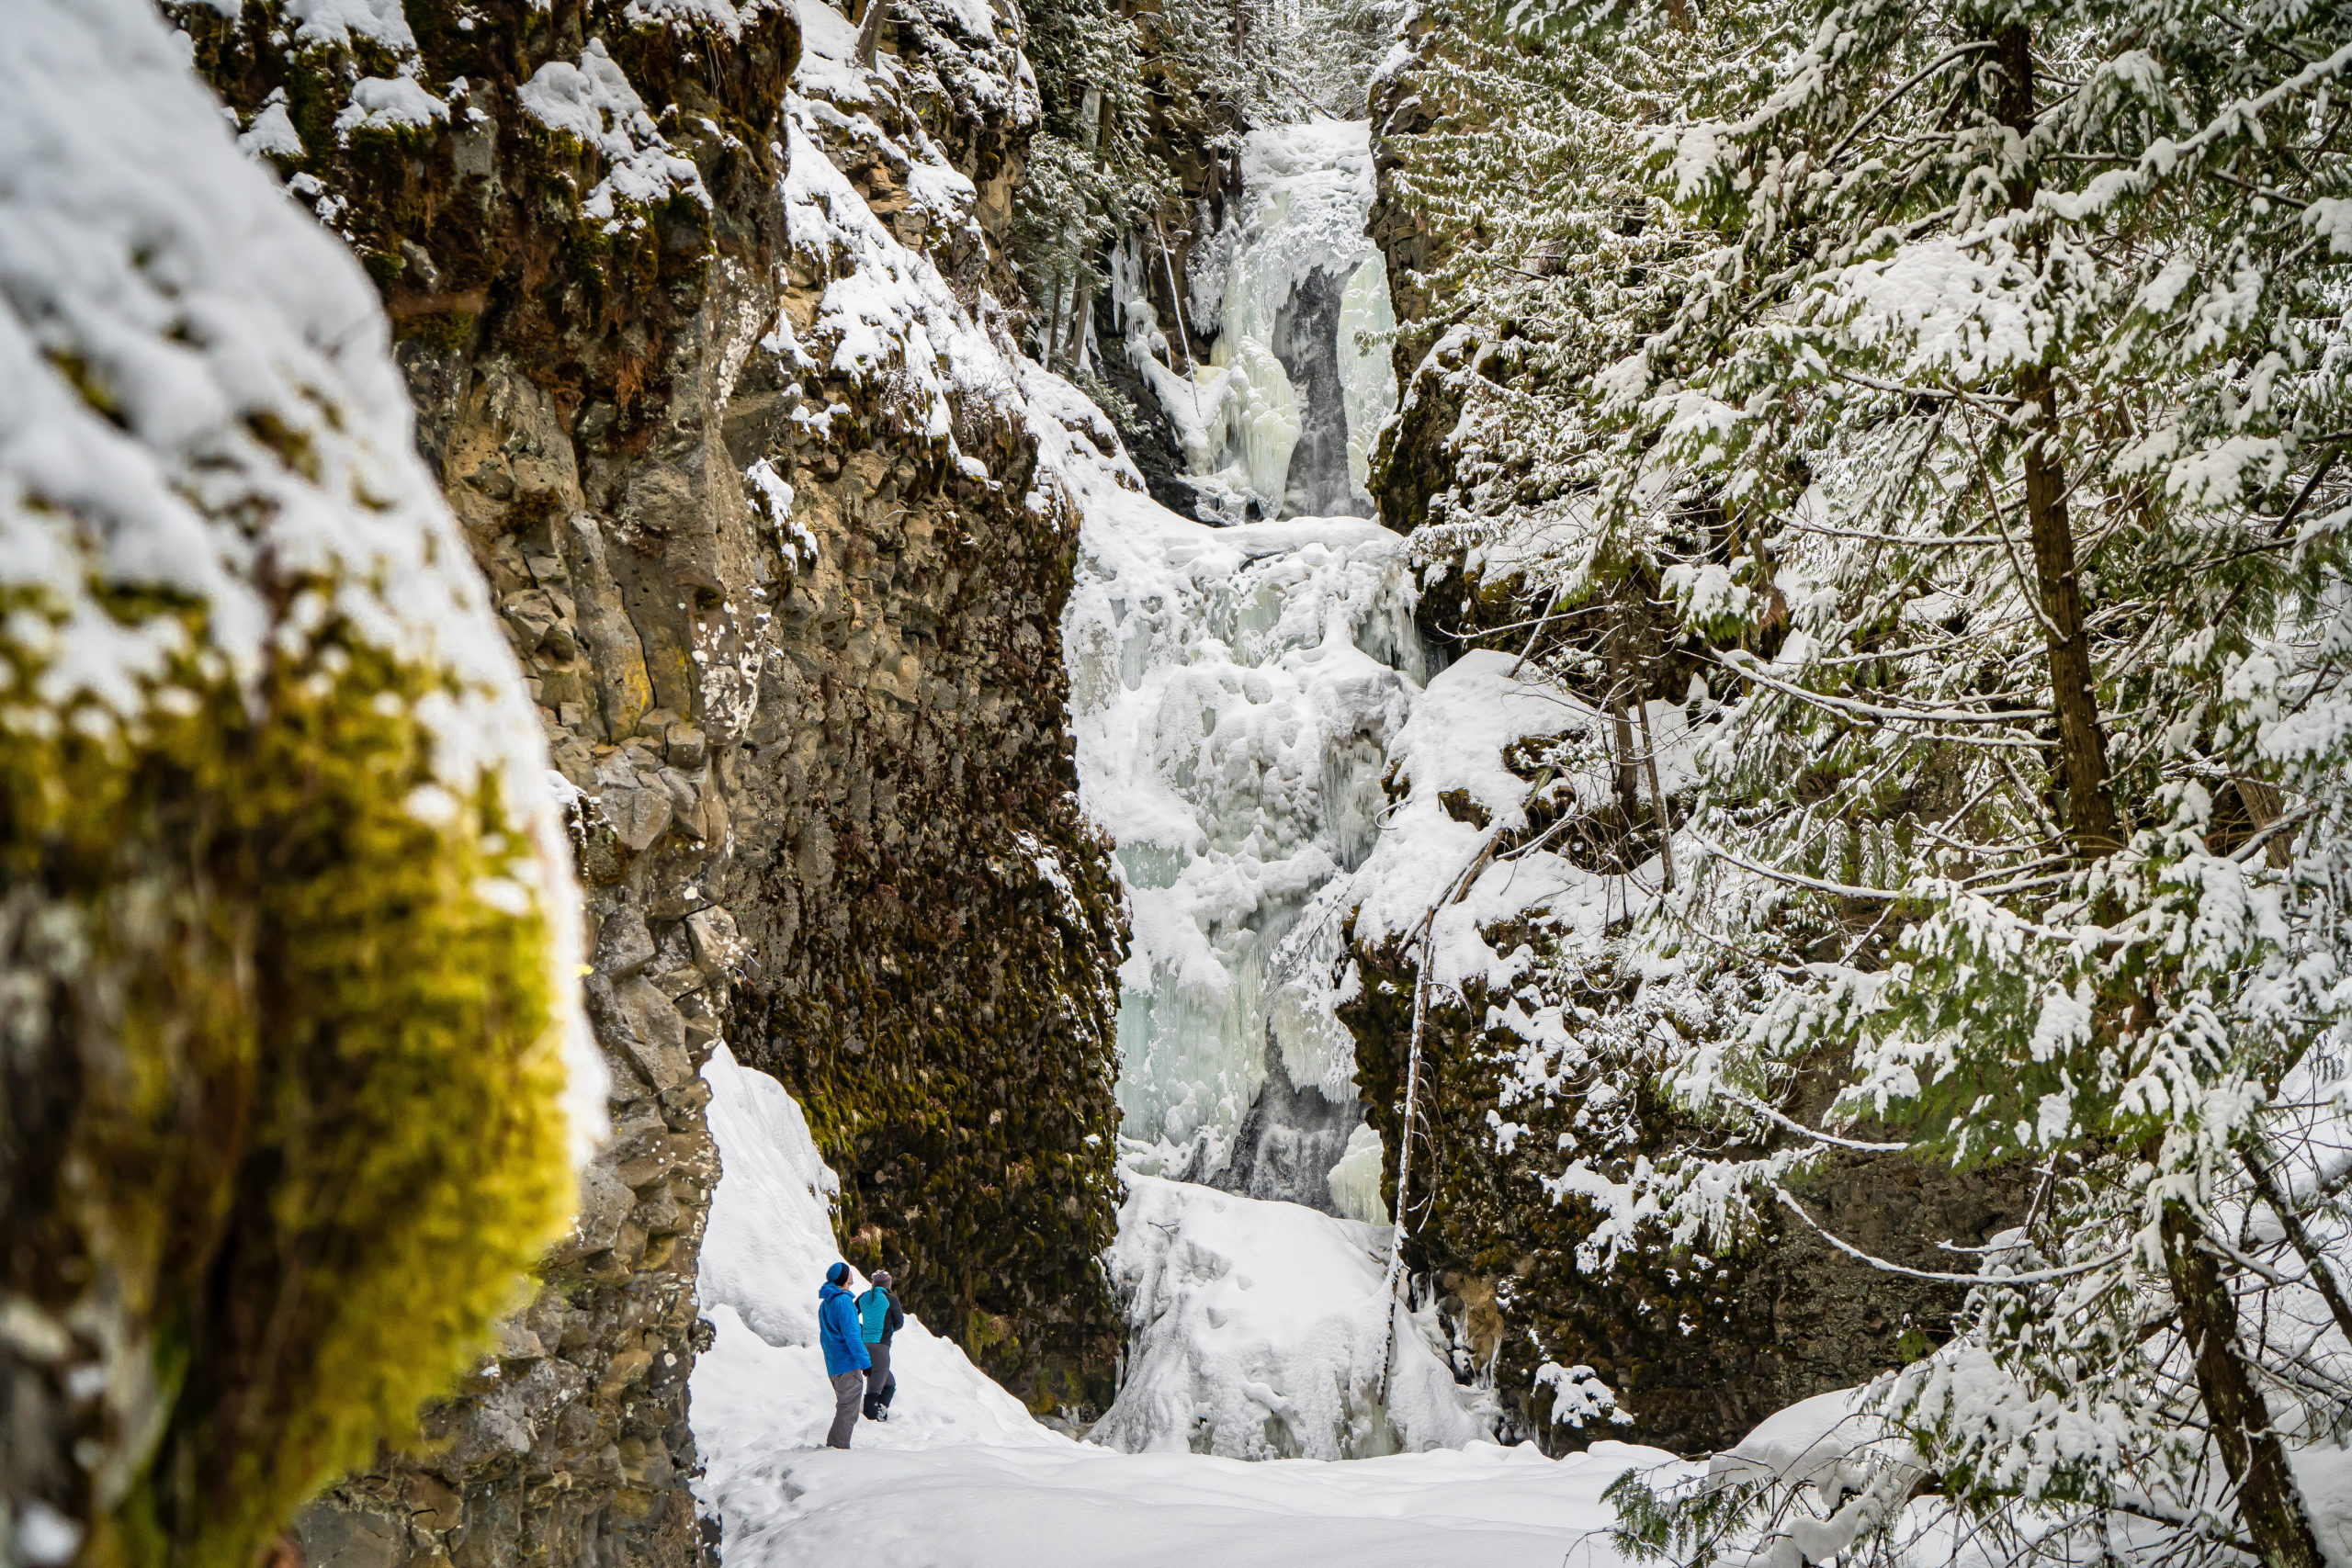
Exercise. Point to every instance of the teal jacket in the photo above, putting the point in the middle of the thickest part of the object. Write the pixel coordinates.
(879, 1316)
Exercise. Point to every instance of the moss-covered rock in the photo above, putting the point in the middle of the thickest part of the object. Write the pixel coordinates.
(286, 1089)
(1697, 1347)
(286, 933)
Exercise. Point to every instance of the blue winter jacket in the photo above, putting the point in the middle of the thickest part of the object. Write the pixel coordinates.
(837, 1328)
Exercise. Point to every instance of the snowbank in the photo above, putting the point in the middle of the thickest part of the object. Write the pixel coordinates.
(1454, 745)
(1255, 1330)
(760, 1390)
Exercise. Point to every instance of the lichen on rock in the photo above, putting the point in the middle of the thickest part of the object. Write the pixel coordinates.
(295, 1071)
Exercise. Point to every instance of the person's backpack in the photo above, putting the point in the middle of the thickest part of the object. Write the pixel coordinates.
(873, 1313)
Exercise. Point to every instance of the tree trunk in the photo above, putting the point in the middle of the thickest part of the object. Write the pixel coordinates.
(1053, 321)
(1657, 792)
(870, 34)
(2082, 744)
(2307, 1247)
(1080, 319)
(1622, 689)
(1175, 296)
(2270, 1506)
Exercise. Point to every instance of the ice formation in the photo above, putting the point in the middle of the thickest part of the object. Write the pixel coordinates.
(1246, 700)
(1277, 418)
(1238, 694)
(1234, 693)
(1259, 1330)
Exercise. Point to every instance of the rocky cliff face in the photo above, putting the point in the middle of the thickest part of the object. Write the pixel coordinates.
(289, 945)
(1698, 1349)
(785, 589)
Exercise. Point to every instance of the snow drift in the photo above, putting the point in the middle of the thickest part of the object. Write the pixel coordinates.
(1257, 1330)
(761, 1390)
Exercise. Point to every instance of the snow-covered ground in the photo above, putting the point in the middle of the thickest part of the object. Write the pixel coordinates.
(961, 1477)
(1080, 1506)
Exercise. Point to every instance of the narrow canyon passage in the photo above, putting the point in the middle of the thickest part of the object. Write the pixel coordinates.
(1536, 785)
(1238, 689)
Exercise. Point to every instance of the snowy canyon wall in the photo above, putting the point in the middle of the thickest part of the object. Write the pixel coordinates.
(1695, 1351)
(694, 312)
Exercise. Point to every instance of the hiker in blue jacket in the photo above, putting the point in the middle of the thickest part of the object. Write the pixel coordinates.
(878, 1318)
(845, 1356)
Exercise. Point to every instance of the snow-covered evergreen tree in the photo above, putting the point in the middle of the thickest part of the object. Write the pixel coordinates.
(1983, 453)
(1090, 171)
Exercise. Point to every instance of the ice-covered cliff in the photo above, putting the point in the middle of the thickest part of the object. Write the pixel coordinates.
(1234, 693)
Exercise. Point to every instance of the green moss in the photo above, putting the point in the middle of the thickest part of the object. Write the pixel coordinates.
(314, 1141)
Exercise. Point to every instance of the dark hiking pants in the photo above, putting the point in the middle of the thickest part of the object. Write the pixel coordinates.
(881, 1383)
(847, 1389)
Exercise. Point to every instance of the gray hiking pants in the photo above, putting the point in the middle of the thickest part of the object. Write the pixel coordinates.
(849, 1391)
(879, 1384)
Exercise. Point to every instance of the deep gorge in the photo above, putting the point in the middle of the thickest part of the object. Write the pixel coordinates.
(1378, 732)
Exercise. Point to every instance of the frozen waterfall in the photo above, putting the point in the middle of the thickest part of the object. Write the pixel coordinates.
(1235, 689)
(1279, 418)
(1238, 695)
